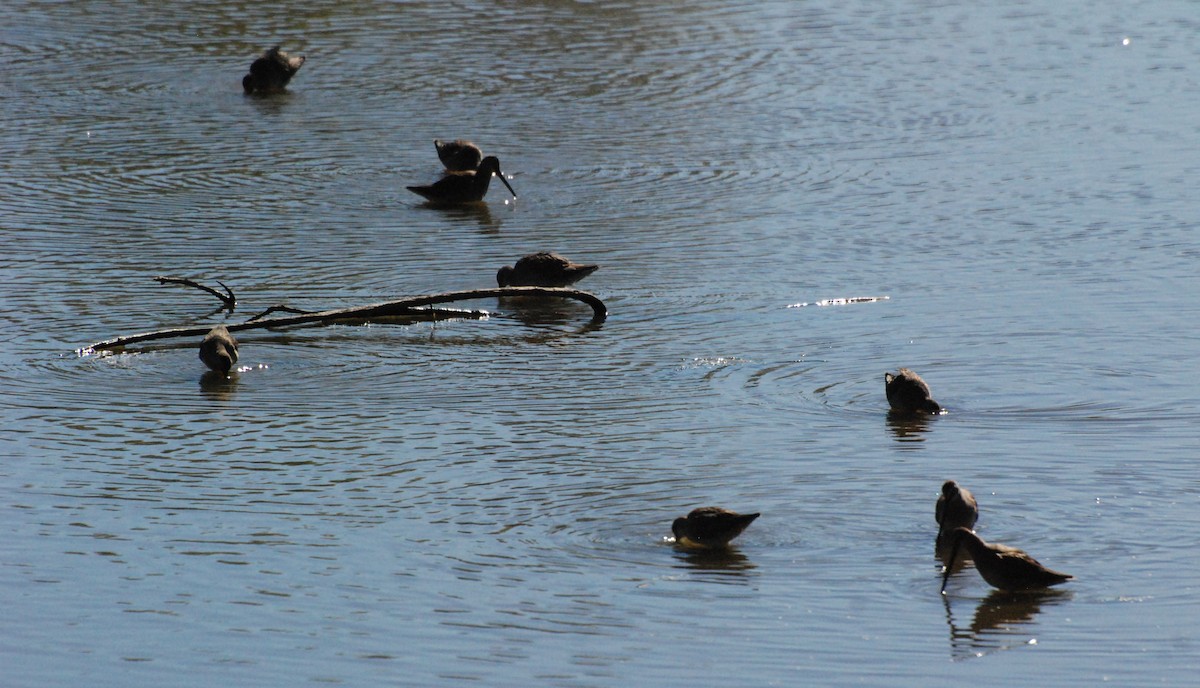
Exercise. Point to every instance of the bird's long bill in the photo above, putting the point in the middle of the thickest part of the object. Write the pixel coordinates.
(950, 562)
(510, 189)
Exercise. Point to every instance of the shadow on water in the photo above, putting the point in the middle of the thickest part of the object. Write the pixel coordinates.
(999, 621)
(908, 427)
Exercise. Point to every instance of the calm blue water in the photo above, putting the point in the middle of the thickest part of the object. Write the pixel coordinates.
(486, 502)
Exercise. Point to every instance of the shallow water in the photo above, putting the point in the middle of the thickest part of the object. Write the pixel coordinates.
(486, 501)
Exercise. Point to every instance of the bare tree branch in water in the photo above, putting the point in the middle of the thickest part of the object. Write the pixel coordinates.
(415, 308)
(281, 308)
(227, 298)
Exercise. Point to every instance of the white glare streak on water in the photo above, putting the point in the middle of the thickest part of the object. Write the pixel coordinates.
(487, 501)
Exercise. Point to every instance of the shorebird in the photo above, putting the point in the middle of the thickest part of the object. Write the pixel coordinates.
(710, 527)
(956, 508)
(1006, 568)
(908, 393)
(543, 269)
(219, 350)
(271, 72)
(458, 155)
(464, 187)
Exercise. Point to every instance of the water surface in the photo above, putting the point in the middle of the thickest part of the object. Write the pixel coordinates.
(486, 501)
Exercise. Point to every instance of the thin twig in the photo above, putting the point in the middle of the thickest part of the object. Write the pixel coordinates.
(279, 309)
(227, 298)
(411, 308)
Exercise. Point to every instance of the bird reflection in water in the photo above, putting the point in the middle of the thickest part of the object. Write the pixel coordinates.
(724, 560)
(1000, 621)
(534, 312)
(908, 427)
(943, 558)
(218, 386)
(479, 213)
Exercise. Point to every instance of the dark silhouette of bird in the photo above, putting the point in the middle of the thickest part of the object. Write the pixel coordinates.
(458, 155)
(908, 393)
(1004, 567)
(956, 508)
(219, 350)
(464, 187)
(271, 72)
(543, 269)
(710, 527)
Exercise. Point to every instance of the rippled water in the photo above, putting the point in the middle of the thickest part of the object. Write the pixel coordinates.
(486, 501)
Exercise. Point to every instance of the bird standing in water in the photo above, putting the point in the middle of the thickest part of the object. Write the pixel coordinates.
(956, 508)
(219, 350)
(271, 72)
(464, 187)
(1006, 568)
(543, 269)
(458, 155)
(710, 527)
(908, 393)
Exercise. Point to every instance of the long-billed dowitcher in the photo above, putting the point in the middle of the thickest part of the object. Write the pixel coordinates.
(710, 527)
(458, 155)
(271, 72)
(543, 269)
(908, 393)
(1006, 568)
(219, 350)
(464, 187)
(956, 508)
